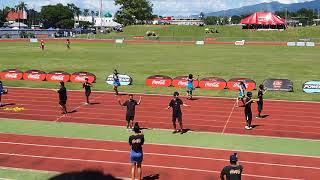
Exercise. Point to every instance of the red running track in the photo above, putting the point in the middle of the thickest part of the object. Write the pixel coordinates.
(169, 162)
(286, 119)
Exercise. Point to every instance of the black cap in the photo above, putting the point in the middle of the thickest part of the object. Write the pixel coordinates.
(233, 158)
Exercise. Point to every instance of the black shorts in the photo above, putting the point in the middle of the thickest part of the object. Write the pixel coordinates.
(248, 116)
(175, 117)
(87, 93)
(129, 117)
(260, 106)
(63, 102)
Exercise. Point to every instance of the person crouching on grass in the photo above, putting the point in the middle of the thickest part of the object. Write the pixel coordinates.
(131, 109)
(190, 87)
(248, 111)
(261, 92)
(175, 104)
(63, 97)
(87, 89)
(232, 171)
(136, 142)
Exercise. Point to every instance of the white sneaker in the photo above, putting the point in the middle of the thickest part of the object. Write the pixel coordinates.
(247, 127)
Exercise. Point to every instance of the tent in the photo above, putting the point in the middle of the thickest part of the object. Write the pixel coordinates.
(263, 18)
(18, 25)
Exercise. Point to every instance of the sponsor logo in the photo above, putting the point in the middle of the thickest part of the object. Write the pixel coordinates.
(277, 84)
(80, 77)
(57, 77)
(182, 83)
(233, 84)
(212, 84)
(34, 76)
(311, 87)
(158, 81)
(11, 75)
(124, 80)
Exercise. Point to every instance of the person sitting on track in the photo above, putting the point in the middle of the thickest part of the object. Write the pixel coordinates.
(232, 171)
(87, 89)
(136, 142)
(242, 90)
(190, 87)
(116, 81)
(248, 111)
(131, 109)
(261, 92)
(63, 97)
(175, 104)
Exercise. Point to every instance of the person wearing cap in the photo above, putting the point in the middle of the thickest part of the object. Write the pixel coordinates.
(63, 97)
(261, 92)
(136, 142)
(232, 171)
(175, 104)
(87, 89)
(248, 111)
(242, 89)
(131, 109)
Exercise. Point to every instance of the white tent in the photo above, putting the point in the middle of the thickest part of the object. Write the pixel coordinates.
(18, 25)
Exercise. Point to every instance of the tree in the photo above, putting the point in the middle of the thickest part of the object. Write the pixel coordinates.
(235, 19)
(211, 20)
(21, 7)
(133, 11)
(201, 16)
(3, 15)
(57, 16)
(34, 17)
(86, 12)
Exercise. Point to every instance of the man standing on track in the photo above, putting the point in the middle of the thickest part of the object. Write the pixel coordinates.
(248, 111)
(261, 92)
(232, 171)
(175, 104)
(87, 89)
(63, 97)
(131, 109)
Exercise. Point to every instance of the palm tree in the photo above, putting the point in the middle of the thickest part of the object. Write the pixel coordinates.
(22, 6)
(86, 12)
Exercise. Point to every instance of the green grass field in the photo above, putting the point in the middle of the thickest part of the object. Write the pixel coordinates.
(226, 33)
(298, 64)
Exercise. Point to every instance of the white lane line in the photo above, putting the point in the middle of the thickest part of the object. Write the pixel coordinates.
(128, 164)
(156, 154)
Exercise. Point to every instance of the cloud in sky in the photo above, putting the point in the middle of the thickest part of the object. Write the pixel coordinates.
(161, 7)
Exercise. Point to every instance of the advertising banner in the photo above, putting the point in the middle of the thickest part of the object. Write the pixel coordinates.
(233, 84)
(79, 77)
(125, 80)
(212, 83)
(11, 74)
(159, 81)
(34, 75)
(311, 87)
(278, 85)
(182, 82)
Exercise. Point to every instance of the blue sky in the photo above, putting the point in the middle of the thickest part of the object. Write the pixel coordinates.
(161, 7)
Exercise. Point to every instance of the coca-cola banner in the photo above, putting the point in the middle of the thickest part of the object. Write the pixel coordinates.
(159, 81)
(182, 82)
(125, 80)
(278, 85)
(79, 77)
(34, 75)
(233, 84)
(212, 83)
(57, 76)
(11, 74)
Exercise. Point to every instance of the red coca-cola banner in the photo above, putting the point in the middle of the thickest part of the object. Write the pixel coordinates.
(159, 81)
(79, 77)
(233, 84)
(182, 82)
(213, 83)
(34, 75)
(57, 76)
(11, 74)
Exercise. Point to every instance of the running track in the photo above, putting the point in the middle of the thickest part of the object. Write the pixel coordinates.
(169, 162)
(286, 119)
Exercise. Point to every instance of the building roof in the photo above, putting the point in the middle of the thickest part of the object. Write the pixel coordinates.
(13, 15)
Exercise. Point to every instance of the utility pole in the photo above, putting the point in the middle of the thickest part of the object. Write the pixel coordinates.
(100, 15)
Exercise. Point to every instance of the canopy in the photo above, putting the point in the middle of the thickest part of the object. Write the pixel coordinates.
(265, 18)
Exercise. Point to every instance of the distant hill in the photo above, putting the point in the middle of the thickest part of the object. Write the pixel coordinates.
(272, 7)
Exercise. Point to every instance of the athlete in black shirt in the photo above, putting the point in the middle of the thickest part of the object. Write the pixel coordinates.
(261, 92)
(136, 142)
(175, 104)
(248, 111)
(63, 97)
(232, 171)
(131, 110)
(87, 89)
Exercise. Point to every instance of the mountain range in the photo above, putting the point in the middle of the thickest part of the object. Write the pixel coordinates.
(271, 7)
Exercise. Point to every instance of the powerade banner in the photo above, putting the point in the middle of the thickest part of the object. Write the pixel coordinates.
(125, 80)
(278, 85)
(311, 87)
(159, 81)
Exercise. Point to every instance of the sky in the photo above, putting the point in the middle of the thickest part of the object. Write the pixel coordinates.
(160, 7)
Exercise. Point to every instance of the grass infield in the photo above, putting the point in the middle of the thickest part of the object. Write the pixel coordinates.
(298, 64)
